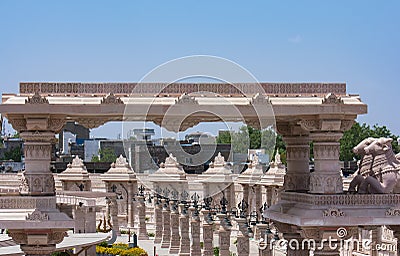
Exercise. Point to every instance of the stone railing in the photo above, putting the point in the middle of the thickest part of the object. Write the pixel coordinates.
(290, 89)
(75, 200)
(342, 199)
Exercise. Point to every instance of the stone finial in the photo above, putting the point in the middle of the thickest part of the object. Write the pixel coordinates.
(121, 162)
(278, 158)
(186, 99)
(219, 160)
(171, 161)
(37, 99)
(331, 98)
(259, 99)
(111, 99)
(76, 162)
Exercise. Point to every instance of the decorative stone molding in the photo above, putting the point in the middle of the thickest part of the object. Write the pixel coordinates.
(36, 99)
(310, 124)
(325, 183)
(186, 99)
(393, 212)
(37, 215)
(19, 124)
(346, 125)
(333, 212)
(179, 88)
(56, 124)
(111, 99)
(331, 98)
(20, 236)
(56, 237)
(259, 99)
(92, 122)
(311, 233)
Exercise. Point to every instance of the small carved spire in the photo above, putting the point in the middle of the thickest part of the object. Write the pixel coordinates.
(331, 98)
(111, 99)
(186, 99)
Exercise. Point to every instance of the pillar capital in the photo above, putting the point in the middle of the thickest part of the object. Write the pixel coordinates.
(326, 124)
(50, 123)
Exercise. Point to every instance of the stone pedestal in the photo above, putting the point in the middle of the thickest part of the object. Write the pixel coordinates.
(175, 237)
(184, 249)
(208, 236)
(166, 235)
(195, 249)
(265, 248)
(142, 219)
(158, 221)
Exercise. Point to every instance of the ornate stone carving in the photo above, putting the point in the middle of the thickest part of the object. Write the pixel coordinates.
(333, 212)
(37, 215)
(346, 125)
(56, 237)
(111, 99)
(186, 99)
(36, 99)
(20, 237)
(311, 233)
(19, 124)
(91, 122)
(259, 99)
(393, 212)
(331, 98)
(179, 88)
(310, 124)
(56, 124)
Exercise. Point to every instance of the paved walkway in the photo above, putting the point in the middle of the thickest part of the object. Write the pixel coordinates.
(148, 245)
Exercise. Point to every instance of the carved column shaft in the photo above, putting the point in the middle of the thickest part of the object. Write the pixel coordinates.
(326, 178)
(175, 237)
(224, 237)
(184, 249)
(208, 236)
(159, 222)
(243, 242)
(37, 178)
(142, 219)
(195, 249)
(297, 177)
(166, 235)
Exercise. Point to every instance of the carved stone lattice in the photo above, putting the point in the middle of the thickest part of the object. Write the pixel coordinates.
(36, 99)
(111, 99)
(37, 215)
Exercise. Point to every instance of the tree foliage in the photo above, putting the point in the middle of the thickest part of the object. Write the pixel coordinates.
(14, 154)
(357, 133)
(106, 155)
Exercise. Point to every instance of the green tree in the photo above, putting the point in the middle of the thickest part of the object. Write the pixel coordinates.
(106, 155)
(14, 154)
(357, 133)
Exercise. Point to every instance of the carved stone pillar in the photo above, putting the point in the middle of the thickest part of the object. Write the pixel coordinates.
(175, 237)
(142, 219)
(166, 235)
(268, 192)
(112, 212)
(37, 179)
(195, 249)
(246, 192)
(297, 177)
(258, 199)
(243, 242)
(159, 221)
(184, 249)
(326, 178)
(224, 237)
(131, 211)
(208, 236)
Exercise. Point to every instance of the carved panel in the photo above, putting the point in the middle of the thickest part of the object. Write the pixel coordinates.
(111, 99)
(333, 212)
(331, 98)
(37, 215)
(186, 99)
(36, 99)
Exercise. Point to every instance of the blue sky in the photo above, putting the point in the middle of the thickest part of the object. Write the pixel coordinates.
(356, 42)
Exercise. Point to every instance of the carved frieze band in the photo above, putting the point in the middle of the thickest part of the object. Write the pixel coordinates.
(321, 89)
(54, 124)
(323, 183)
